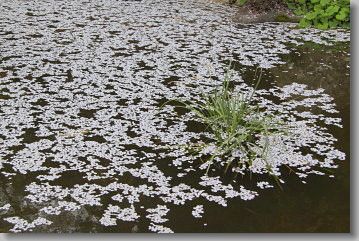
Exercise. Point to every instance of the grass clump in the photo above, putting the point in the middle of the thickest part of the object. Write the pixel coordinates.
(237, 124)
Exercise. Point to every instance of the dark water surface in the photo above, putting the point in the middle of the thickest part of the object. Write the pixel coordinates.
(87, 145)
(321, 205)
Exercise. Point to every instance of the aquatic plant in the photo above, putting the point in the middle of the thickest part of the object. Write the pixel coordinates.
(322, 14)
(237, 125)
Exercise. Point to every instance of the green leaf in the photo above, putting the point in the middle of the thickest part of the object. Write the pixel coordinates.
(322, 14)
(318, 7)
(299, 12)
(331, 10)
(241, 2)
(303, 23)
(322, 26)
(346, 9)
(324, 20)
(324, 2)
(311, 15)
(333, 23)
(346, 25)
(342, 15)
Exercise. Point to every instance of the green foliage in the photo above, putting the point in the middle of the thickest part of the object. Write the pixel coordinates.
(241, 2)
(322, 14)
(236, 124)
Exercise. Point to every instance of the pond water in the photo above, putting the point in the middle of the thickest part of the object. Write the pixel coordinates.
(88, 146)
